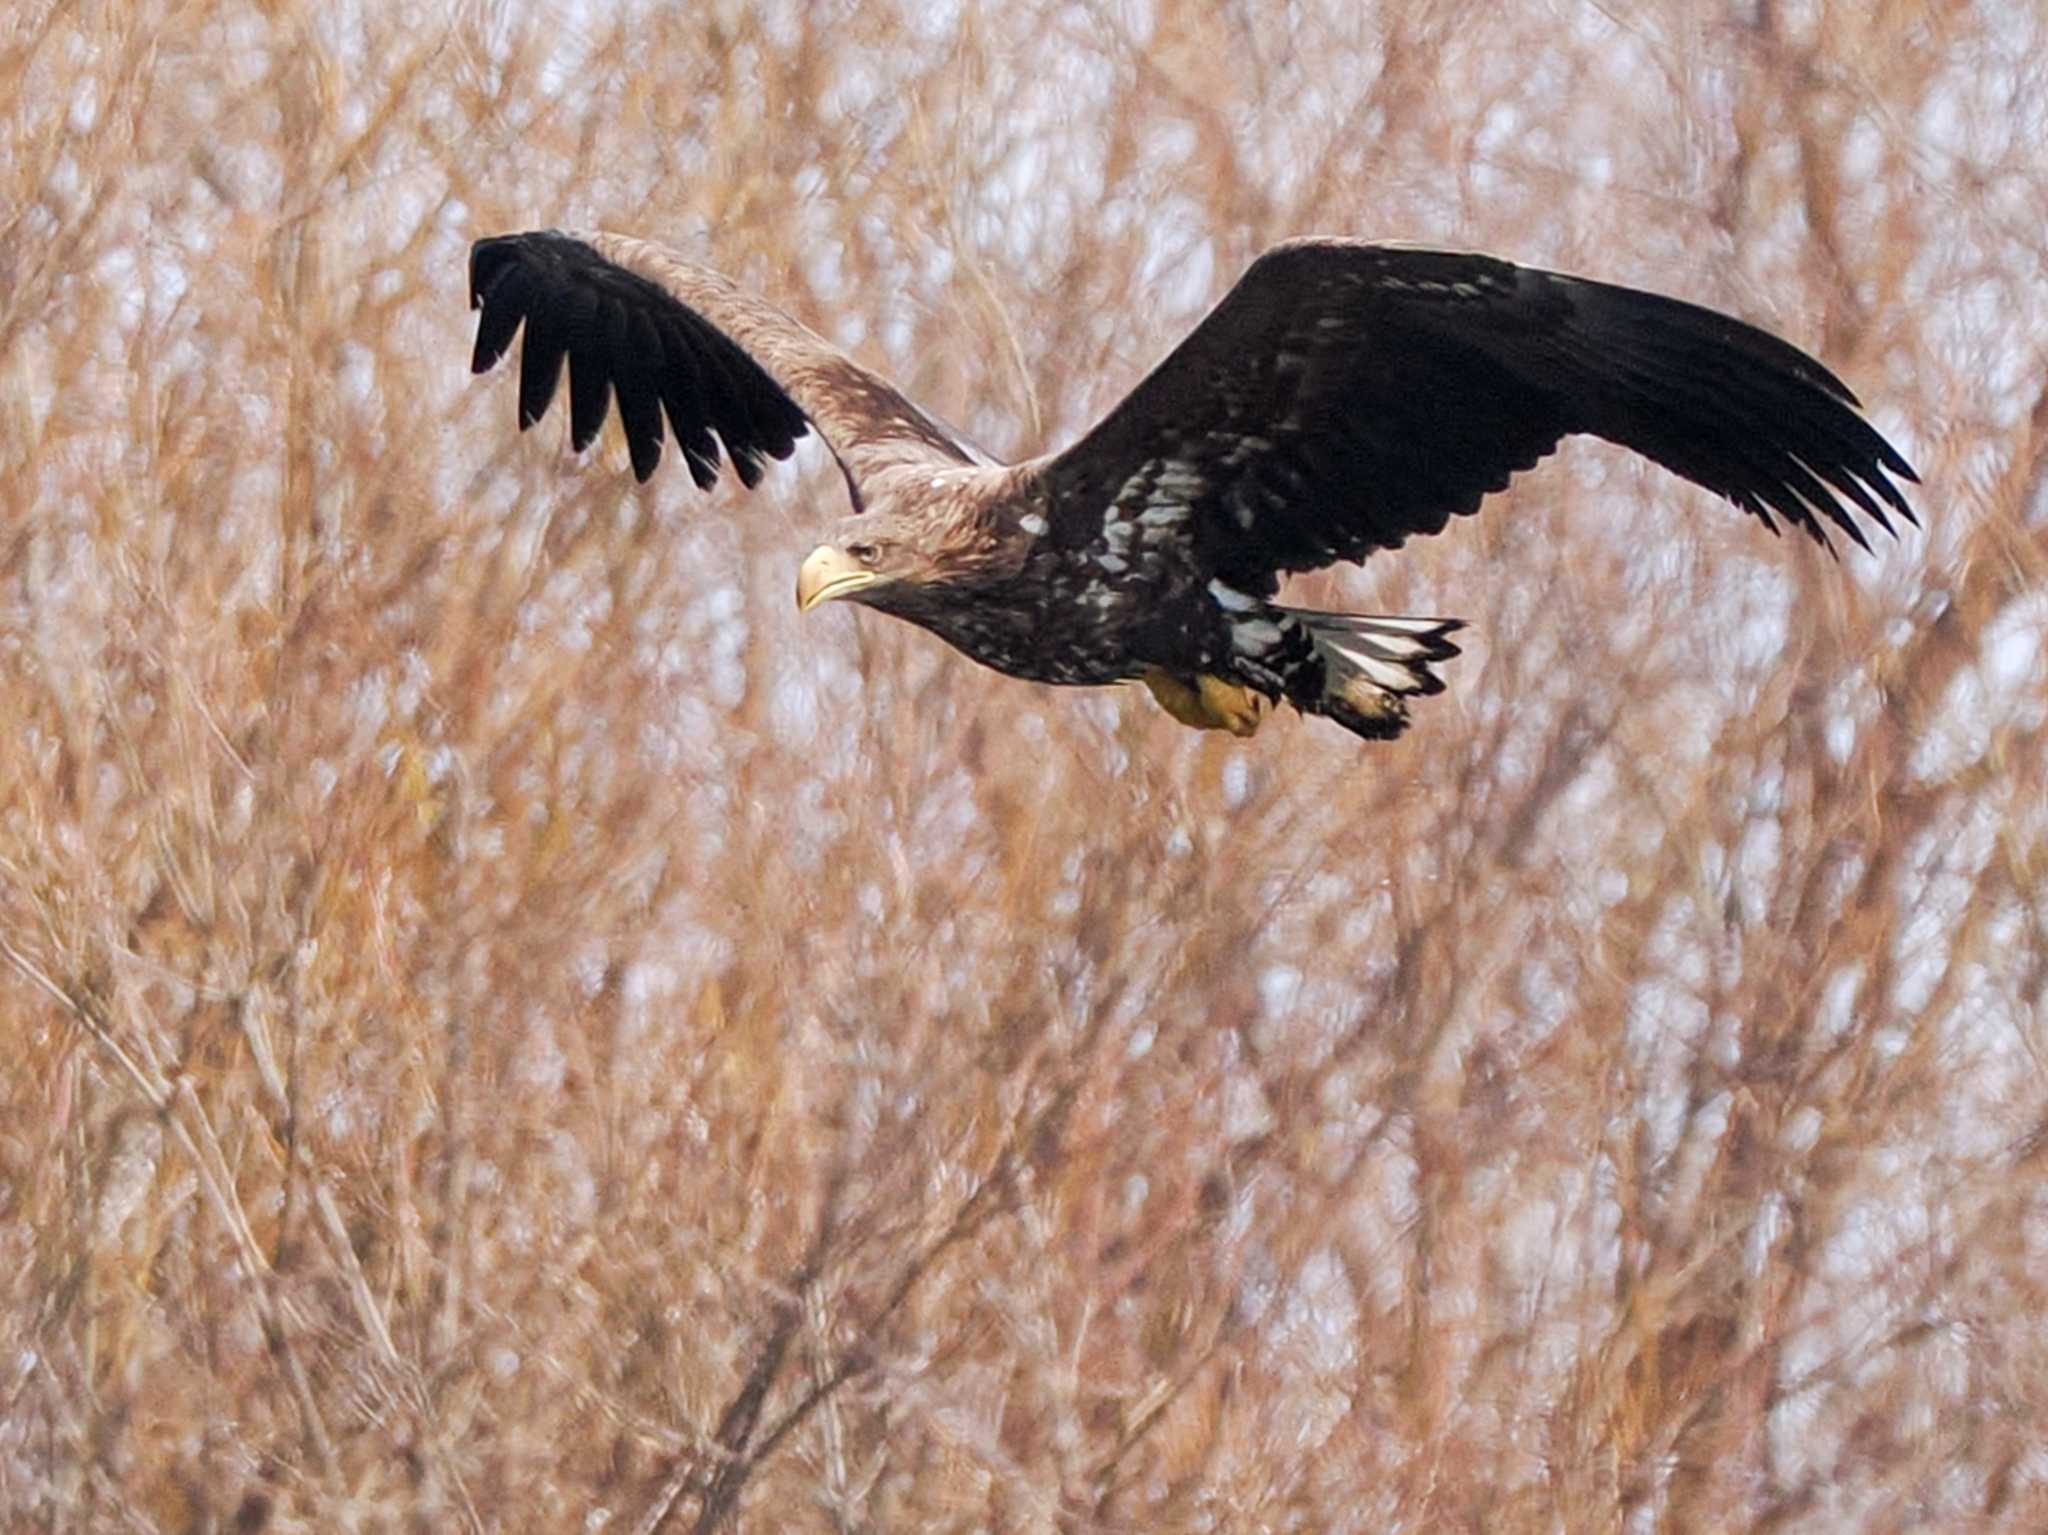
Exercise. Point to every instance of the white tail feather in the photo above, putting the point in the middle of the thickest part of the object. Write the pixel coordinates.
(1390, 654)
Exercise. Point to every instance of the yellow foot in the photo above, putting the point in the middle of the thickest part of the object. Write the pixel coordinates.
(1208, 703)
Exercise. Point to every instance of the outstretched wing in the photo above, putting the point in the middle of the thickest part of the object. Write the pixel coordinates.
(668, 338)
(1344, 396)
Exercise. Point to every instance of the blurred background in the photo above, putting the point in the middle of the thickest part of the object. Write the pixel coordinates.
(507, 1028)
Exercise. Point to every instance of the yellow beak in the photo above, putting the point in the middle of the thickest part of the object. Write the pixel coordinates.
(828, 573)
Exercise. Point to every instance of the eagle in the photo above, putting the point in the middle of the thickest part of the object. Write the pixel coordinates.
(1341, 398)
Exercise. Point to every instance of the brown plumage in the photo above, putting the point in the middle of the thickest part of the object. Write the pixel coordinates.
(1340, 399)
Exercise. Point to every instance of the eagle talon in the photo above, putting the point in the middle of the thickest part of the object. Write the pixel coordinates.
(1208, 702)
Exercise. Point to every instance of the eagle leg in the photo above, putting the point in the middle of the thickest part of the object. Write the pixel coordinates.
(1208, 702)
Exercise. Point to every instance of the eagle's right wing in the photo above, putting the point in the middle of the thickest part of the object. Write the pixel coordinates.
(667, 337)
(1345, 396)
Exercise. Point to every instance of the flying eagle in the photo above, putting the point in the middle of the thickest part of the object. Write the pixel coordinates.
(1342, 397)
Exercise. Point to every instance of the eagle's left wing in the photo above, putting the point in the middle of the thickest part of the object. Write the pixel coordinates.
(667, 338)
(1344, 396)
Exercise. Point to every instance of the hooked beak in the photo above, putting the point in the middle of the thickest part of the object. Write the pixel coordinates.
(828, 573)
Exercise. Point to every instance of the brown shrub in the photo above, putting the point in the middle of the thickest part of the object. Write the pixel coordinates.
(508, 1029)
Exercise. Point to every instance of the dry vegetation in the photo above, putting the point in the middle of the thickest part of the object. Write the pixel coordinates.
(508, 1029)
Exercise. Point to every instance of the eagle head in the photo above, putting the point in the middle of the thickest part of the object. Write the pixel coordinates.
(863, 560)
(901, 561)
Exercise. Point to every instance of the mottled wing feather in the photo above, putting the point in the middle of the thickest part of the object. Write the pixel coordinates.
(1344, 397)
(670, 340)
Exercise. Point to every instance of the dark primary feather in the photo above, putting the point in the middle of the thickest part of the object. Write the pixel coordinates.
(628, 338)
(1344, 396)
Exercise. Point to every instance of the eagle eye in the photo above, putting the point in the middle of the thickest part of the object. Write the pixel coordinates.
(867, 554)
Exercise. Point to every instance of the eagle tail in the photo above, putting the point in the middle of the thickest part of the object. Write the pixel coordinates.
(1373, 664)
